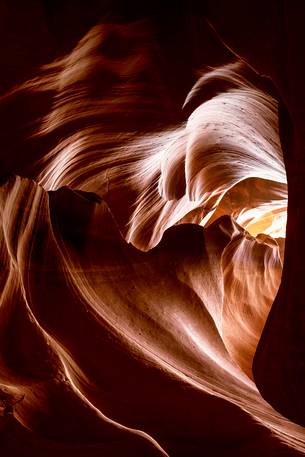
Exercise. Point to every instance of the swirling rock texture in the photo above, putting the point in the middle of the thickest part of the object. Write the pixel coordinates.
(151, 293)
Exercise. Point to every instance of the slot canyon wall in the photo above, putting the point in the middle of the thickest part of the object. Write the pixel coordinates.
(151, 228)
